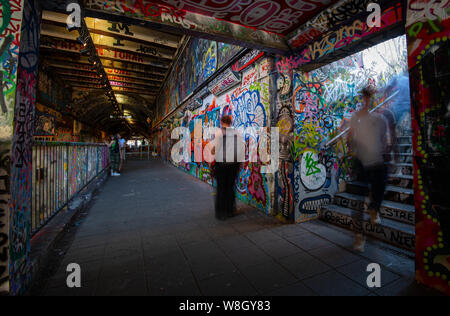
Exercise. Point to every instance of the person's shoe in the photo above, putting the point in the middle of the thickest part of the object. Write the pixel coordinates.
(116, 174)
(375, 217)
(360, 243)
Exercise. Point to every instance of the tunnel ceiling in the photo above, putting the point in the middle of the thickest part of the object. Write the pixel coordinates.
(264, 24)
(136, 60)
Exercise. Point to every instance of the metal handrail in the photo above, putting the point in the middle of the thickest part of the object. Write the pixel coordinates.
(47, 143)
(332, 141)
(61, 170)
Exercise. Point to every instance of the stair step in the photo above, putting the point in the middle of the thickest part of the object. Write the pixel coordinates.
(388, 188)
(400, 164)
(391, 210)
(399, 234)
(401, 176)
(402, 154)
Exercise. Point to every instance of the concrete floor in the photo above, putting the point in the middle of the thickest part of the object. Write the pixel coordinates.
(152, 231)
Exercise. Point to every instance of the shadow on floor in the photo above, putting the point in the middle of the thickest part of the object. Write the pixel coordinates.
(152, 231)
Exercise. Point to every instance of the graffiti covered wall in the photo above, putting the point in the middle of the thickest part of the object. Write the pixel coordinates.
(9, 54)
(197, 63)
(248, 102)
(428, 32)
(316, 106)
(21, 168)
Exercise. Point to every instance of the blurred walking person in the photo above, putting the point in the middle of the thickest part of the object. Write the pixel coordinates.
(114, 154)
(229, 152)
(368, 138)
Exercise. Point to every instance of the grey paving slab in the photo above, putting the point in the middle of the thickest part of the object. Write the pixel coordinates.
(248, 256)
(85, 290)
(262, 236)
(333, 283)
(84, 255)
(230, 284)
(289, 230)
(334, 256)
(297, 289)
(216, 266)
(268, 277)
(130, 285)
(233, 243)
(172, 283)
(406, 287)
(308, 241)
(152, 231)
(279, 248)
(303, 265)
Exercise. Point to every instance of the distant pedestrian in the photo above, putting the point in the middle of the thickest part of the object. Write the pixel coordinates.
(114, 154)
(229, 153)
(368, 138)
(122, 152)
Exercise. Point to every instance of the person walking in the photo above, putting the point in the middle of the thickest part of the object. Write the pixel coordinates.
(114, 154)
(368, 138)
(229, 152)
(122, 152)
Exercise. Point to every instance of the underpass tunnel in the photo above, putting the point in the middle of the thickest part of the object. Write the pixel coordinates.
(76, 73)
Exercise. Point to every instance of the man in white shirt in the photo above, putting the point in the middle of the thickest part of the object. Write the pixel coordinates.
(368, 138)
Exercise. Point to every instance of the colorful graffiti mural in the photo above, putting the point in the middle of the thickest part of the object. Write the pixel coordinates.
(249, 104)
(21, 153)
(428, 32)
(9, 57)
(196, 64)
(329, 19)
(345, 35)
(323, 101)
(263, 21)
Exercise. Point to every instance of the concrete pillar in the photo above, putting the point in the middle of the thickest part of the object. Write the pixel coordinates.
(9, 56)
(428, 32)
(19, 63)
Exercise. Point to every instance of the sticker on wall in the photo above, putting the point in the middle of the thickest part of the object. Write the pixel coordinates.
(227, 80)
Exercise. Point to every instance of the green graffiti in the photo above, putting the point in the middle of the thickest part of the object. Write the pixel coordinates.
(6, 10)
(311, 165)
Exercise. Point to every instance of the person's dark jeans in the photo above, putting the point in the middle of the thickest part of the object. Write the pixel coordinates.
(376, 177)
(226, 174)
(115, 161)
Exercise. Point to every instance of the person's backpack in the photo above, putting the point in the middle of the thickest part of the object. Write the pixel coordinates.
(115, 147)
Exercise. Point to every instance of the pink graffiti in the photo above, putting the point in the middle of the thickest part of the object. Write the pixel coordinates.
(287, 64)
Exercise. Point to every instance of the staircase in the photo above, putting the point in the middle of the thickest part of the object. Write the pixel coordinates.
(397, 211)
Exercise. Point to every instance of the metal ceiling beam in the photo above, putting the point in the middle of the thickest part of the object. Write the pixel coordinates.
(72, 61)
(192, 24)
(120, 30)
(109, 42)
